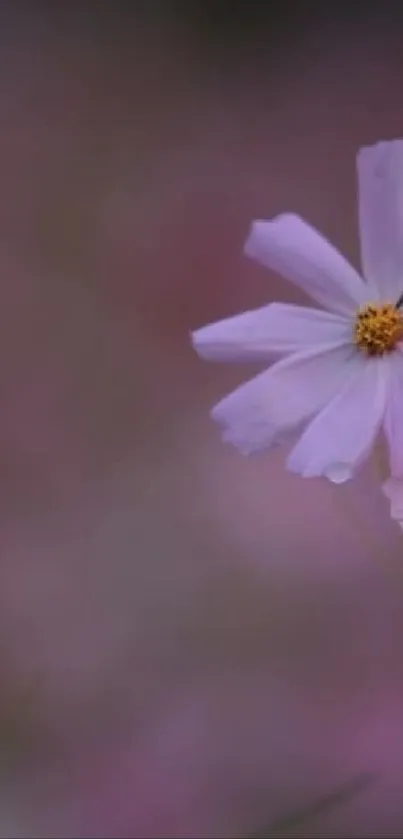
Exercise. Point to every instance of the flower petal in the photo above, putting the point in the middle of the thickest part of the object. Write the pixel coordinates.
(278, 400)
(290, 246)
(393, 422)
(276, 329)
(342, 434)
(393, 490)
(380, 182)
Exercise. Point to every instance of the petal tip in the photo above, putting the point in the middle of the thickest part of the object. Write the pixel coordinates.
(382, 144)
(258, 230)
(392, 489)
(218, 415)
(293, 465)
(255, 231)
(339, 473)
(231, 439)
(199, 340)
(380, 152)
(194, 338)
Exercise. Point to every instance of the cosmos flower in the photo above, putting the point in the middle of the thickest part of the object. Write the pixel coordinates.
(337, 376)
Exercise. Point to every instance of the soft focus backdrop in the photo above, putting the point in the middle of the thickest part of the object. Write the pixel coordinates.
(191, 644)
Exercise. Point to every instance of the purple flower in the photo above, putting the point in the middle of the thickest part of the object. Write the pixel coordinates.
(338, 375)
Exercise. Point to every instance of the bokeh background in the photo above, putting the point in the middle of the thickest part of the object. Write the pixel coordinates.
(192, 644)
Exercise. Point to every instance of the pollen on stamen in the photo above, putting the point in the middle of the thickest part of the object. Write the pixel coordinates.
(378, 328)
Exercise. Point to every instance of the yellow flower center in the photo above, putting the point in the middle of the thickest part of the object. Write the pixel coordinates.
(378, 328)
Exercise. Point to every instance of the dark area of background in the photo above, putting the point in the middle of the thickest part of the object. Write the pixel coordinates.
(214, 25)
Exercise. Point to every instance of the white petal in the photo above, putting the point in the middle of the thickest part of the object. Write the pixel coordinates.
(393, 423)
(276, 329)
(380, 183)
(341, 436)
(278, 400)
(290, 246)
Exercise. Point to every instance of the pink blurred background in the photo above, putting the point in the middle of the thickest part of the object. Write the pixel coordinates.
(192, 644)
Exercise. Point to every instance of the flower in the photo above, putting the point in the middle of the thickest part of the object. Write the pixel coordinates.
(337, 379)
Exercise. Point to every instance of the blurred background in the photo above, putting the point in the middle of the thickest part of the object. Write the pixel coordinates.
(192, 644)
